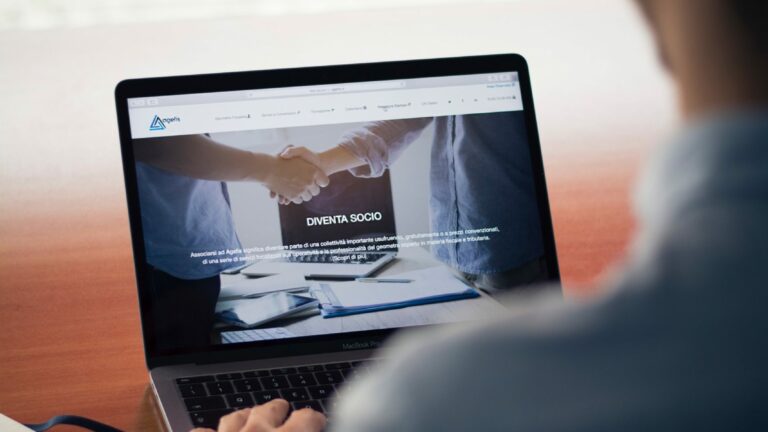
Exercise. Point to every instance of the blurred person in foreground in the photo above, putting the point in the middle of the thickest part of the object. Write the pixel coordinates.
(678, 342)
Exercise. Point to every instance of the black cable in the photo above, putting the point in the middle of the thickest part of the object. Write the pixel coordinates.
(72, 420)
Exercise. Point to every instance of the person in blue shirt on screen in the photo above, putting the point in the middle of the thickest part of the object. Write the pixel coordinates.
(185, 209)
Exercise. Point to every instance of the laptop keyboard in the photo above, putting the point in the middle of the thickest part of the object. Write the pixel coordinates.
(210, 397)
(353, 258)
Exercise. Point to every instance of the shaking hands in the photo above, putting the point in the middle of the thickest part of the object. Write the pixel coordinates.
(297, 176)
(307, 172)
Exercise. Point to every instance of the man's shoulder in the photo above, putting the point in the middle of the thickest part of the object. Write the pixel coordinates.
(513, 364)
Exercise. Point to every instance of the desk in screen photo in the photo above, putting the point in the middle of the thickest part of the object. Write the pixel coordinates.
(410, 259)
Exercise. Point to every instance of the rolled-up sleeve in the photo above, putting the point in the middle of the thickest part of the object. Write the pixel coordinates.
(380, 143)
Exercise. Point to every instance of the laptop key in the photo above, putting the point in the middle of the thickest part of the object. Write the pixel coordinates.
(315, 405)
(247, 385)
(262, 397)
(205, 403)
(256, 374)
(229, 376)
(294, 394)
(239, 400)
(192, 390)
(329, 377)
(321, 391)
(219, 388)
(336, 366)
(352, 373)
(310, 368)
(283, 371)
(208, 419)
(275, 382)
(194, 380)
(302, 380)
(329, 404)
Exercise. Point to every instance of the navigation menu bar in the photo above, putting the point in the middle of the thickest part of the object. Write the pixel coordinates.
(317, 105)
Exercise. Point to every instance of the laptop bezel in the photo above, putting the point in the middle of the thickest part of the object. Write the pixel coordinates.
(318, 75)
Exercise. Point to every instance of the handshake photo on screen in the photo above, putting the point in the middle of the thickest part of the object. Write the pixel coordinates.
(297, 231)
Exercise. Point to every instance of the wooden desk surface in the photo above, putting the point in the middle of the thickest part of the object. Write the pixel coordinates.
(71, 341)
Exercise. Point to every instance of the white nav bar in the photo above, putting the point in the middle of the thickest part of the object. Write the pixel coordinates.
(317, 109)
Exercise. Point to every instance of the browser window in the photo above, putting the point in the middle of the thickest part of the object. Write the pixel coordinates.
(344, 207)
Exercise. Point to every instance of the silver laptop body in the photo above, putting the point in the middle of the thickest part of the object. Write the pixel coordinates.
(196, 376)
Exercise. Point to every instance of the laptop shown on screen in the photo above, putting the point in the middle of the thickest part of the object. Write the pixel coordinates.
(307, 224)
(285, 222)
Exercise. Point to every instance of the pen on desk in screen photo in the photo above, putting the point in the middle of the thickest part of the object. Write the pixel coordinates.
(384, 280)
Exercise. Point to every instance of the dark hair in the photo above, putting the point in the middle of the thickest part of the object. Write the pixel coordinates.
(750, 15)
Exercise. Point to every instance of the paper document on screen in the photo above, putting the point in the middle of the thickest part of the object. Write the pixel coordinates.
(432, 282)
(245, 287)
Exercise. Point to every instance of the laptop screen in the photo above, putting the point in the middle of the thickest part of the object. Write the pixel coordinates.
(317, 210)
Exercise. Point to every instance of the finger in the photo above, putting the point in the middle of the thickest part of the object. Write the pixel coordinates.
(304, 420)
(321, 179)
(235, 421)
(314, 189)
(267, 416)
(303, 153)
(297, 200)
(284, 149)
(291, 152)
(306, 196)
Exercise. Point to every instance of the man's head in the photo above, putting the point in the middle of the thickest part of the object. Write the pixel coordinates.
(717, 50)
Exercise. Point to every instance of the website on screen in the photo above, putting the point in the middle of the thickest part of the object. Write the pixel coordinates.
(301, 211)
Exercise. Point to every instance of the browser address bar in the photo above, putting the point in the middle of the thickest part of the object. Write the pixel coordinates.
(324, 89)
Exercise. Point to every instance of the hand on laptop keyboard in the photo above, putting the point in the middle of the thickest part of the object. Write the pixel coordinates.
(271, 417)
(209, 398)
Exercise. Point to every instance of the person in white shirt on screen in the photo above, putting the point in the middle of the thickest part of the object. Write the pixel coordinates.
(473, 158)
(677, 343)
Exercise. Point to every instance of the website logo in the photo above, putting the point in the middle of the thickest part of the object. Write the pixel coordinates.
(157, 124)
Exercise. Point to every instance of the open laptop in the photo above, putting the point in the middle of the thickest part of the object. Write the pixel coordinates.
(348, 195)
(444, 137)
